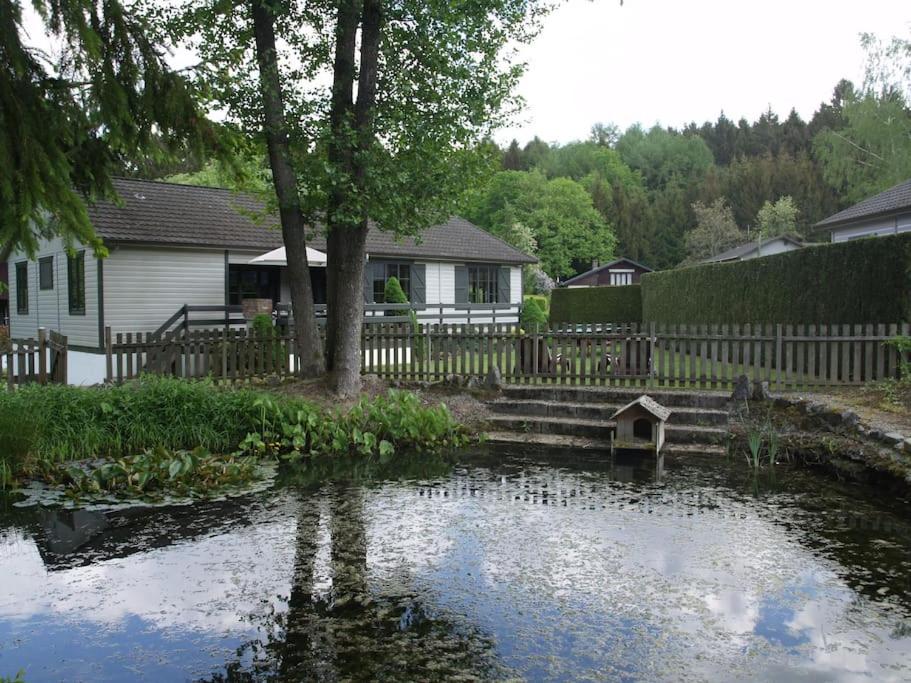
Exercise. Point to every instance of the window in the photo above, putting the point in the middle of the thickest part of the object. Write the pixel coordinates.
(75, 280)
(22, 288)
(382, 272)
(621, 277)
(46, 273)
(482, 284)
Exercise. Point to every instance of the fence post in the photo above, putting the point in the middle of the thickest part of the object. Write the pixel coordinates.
(109, 354)
(42, 355)
(651, 353)
(778, 368)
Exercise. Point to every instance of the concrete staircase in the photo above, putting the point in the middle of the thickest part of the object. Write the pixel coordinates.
(578, 417)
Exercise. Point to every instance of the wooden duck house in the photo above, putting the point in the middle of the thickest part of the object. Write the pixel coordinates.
(640, 425)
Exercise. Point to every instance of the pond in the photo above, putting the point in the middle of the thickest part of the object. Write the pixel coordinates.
(496, 567)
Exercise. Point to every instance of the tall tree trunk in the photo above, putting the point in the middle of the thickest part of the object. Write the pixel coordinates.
(352, 137)
(284, 179)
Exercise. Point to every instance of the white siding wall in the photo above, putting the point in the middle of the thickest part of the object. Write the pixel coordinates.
(777, 247)
(441, 290)
(143, 287)
(50, 308)
(875, 228)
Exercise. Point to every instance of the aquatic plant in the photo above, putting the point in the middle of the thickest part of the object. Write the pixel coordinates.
(20, 678)
(378, 426)
(773, 446)
(156, 470)
(754, 441)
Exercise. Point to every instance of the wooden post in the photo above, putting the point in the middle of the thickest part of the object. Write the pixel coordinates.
(778, 357)
(108, 353)
(42, 355)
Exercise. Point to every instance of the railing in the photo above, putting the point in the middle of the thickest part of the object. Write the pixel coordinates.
(218, 315)
(36, 361)
(426, 313)
(703, 356)
(221, 354)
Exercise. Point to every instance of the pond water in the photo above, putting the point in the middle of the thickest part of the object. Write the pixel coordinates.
(491, 568)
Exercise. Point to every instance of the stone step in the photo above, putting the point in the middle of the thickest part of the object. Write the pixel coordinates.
(672, 398)
(559, 441)
(600, 429)
(600, 411)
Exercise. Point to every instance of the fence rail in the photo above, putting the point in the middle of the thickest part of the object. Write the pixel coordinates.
(36, 361)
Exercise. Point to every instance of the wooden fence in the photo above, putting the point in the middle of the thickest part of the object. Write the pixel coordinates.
(701, 356)
(624, 354)
(41, 361)
(222, 354)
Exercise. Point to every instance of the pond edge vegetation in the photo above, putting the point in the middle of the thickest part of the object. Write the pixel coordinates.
(165, 434)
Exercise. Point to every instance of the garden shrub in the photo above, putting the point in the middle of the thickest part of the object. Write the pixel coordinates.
(580, 305)
(532, 315)
(862, 281)
(542, 301)
(394, 294)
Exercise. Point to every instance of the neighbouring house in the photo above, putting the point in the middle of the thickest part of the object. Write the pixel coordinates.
(751, 250)
(888, 213)
(172, 245)
(622, 271)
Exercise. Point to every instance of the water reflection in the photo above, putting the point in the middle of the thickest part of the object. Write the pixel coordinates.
(627, 569)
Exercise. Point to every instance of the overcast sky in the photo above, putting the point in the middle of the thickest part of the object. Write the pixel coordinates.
(675, 61)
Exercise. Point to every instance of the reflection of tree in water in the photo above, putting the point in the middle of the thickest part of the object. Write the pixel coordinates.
(353, 633)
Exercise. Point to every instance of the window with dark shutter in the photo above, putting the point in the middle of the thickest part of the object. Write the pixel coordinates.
(483, 284)
(381, 272)
(46, 273)
(75, 280)
(22, 288)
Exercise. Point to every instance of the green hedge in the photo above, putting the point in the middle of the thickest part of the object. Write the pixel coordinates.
(863, 281)
(596, 305)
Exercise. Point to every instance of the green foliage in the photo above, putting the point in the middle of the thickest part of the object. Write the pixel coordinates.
(156, 471)
(19, 678)
(532, 314)
(902, 344)
(542, 301)
(263, 326)
(777, 218)
(715, 231)
(17, 439)
(596, 305)
(169, 421)
(559, 214)
(68, 128)
(863, 281)
(379, 427)
(870, 150)
(393, 292)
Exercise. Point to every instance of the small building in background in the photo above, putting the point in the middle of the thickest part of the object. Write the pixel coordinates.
(622, 271)
(887, 213)
(757, 249)
(640, 425)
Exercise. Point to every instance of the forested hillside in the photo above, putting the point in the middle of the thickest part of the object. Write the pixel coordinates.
(663, 196)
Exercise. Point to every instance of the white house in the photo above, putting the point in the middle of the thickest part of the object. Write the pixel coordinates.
(888, 213)
(172, 245)
(751, 250)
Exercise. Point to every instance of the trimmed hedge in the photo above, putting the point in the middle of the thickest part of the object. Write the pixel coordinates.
(863, 281)
(596, 305)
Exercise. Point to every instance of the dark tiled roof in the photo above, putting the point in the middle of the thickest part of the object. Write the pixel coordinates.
(894, 199)
(605, 266)
(744, 249)
(187, 215)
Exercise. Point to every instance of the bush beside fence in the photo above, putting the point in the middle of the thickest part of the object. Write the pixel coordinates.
(863, 281)
(595, 304)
